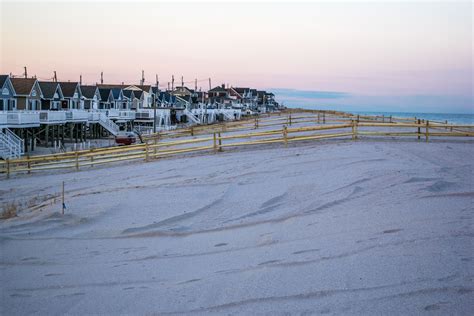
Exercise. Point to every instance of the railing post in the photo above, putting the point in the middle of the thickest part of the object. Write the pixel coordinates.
(28, 163)
(8, 168)
(77, 161)
(353, 129)
(220, 141)
(146, 151)
(289, 118)
(215, 143)
(419, 129)
(427, 130)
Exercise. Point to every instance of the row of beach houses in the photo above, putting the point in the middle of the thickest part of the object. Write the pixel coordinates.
(46, 113)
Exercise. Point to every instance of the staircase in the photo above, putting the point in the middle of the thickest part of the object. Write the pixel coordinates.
(11, 146)
(108, 124)
(191, 117)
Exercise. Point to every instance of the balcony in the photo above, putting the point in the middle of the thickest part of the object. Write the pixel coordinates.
(52, 117)
(127, 115)
(23, 119)
(77, 116)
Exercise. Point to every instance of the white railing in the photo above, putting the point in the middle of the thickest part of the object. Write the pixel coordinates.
(23, 118)
(191, 117)
(11, 146)
(77, 115)
(3, 119)
(127, 115)
(52, 116)
(113, 113)
(105, 122)
(94, 116)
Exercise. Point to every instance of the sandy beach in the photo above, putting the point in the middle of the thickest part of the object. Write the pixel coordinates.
(369, 227)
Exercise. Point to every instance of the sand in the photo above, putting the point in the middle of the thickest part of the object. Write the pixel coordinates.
(366, 227)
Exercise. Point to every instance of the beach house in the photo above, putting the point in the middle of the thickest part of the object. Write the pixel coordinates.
(7, 99)
(27, 93)
(52, 95)
(72, 95)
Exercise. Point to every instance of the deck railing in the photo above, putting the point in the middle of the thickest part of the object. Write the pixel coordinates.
(77, 115)
(52, 117)
(19, 118)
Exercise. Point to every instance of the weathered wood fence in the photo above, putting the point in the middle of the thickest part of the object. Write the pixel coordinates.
(214, 138)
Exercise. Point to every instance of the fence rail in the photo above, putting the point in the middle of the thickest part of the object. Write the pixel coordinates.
(214, 138)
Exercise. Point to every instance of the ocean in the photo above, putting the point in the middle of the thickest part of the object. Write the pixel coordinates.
(440, 117)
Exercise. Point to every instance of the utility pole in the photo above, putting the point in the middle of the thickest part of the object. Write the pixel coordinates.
(210, 84)
(101, 77)
(80, 79)
(182, 82)
(26, 72)
(172, 82)
(154, 107)
(168, 86)
(195, 85)
(143, 78)
(55, 78)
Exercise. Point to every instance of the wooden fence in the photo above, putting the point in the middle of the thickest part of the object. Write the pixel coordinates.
(216, 138)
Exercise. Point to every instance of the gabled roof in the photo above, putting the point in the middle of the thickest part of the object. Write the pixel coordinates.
(110, 86)
(138, 94)
(88, 91)
(241, 90)
(218, 89)
(155, 89)
(145, 87)
(128, 93)
(104, 94)
(68, 88)
(3, 79)
(116, 92)
(49, 88)
(23, 86)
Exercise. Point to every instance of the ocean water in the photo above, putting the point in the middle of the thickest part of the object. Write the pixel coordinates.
(438, 117)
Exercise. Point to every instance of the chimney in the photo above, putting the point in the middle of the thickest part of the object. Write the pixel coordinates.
(223, 86)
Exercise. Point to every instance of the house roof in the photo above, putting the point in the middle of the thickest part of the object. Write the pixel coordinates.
(68, 88)
(104, 94)
(218, 89)
(128, 93)
(3, 79)
(138, 93)
(116, 92)
(48, 88)
(241, 90)
(88, 91)
(145, 87)
(23, 86)
(111, 86)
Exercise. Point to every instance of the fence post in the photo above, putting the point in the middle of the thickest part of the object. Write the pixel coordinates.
(285, 135)
(8, 168)
(419, 129)
(215, 143)
(220, 141)
(290, 119)
(154, 146)
(353, 129)
(146, 151)
(446, 123)
(427, 130)
(29, 163)
(92, 158)
(324, 117)
(77, 161)
(318, 117)
(192, 131)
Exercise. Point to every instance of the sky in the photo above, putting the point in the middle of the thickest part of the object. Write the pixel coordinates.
(388, 56)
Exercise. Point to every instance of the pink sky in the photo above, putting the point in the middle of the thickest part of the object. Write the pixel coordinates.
(362, 48)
